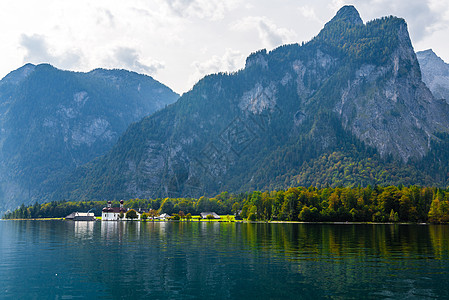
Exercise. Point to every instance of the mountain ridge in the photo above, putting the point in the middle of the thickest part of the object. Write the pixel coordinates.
(53, 121)
(354, 89)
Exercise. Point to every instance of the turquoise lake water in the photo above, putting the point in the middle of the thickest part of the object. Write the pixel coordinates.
(120, 260)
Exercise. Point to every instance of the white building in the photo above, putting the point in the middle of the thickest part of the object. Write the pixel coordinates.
(163, 216)
(213, 214)
(81, 216)
(113, 213)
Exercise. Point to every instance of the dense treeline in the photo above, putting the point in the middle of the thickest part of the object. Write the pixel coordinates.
(378, 204)
(55, 209)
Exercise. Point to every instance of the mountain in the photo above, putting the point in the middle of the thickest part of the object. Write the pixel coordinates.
(435, 73)
(347, 108)
(52, 121)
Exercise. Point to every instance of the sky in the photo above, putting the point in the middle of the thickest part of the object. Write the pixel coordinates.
(177, 42)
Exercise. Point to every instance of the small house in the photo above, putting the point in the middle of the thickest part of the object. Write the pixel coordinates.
(163, 216)
(205, 214)
(81, 216)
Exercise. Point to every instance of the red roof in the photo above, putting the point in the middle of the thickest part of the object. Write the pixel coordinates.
(114, 209)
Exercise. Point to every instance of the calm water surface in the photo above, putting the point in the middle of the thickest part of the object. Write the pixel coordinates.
(69, 260)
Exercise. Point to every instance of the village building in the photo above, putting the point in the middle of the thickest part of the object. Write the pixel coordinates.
(143, 210)
(81, 216)
(110, 213)
(163, 216)
(213, 214)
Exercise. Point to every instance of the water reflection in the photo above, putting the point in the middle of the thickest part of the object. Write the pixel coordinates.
(84, 229)
(118, 231)
(225, 260)
(317, 240)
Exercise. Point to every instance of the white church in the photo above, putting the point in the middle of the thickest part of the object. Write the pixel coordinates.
(113, 213)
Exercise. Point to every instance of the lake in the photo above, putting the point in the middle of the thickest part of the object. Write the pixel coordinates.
(68, 260)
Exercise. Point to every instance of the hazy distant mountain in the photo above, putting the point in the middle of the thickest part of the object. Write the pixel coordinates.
(435, 73)
(52, 121)
(347, 108)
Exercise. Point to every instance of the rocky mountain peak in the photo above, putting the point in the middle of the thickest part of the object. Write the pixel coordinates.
(429, 54)
(347, 14)
(17, 76)
(435, 73)
(257, 58)
(430, 60)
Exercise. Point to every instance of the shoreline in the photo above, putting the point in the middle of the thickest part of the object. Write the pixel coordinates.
(237, 221)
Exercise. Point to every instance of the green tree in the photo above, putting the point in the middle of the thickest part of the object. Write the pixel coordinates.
(131, 214)
(153, 214)
(236, 208)
(167, 206)
(391, 217)
(396, 217)
(245, 211)
(309, 215)
(256, 200)
(252, 217)
(434, 212)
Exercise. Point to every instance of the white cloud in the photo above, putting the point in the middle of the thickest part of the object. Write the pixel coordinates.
(269, 33)
(38, 51)
(336, 4)
(419, 14)
(129, 58)
(441, 9)
(230, 61)
(106, 17)
(309, 12)
(203, 9)
(36, 48)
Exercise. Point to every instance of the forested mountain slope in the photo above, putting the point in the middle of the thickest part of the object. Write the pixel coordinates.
(347, 108)
(52, 121)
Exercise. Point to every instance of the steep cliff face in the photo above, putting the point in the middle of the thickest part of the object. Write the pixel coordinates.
(387, 105)
(53, 121)
(435, 73)
(355, 88)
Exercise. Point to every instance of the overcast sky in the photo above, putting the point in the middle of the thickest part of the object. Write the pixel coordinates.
(179, 41)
